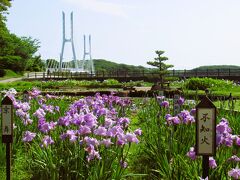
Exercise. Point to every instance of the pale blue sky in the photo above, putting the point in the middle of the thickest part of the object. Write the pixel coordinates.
(191, 32)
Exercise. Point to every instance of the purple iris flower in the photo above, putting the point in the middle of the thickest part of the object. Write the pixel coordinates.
(234, 158)
(47, 140)
(46, 126)
(123, 164)
(91, 141)
(123, 120)
(212, 163)
(84, 130)
(191, 153)
(186, 117)
(72, 135)
(40, 113)
(228, 141)
(65, 121)
(222, 127)
(28, 136)
(180, 101)
(138, 132)
(131, 137)
(108, 122)
(101, 131)
(235, 173)
(92, 155)
(25, 106)
(35, 92)
(106, 142)
(237, 140)
(193, 112)
(115, 130)
(90, 120)
(160, 99)
(165, 104)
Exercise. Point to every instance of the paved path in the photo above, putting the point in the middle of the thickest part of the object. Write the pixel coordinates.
(142, 88)
(10, 80)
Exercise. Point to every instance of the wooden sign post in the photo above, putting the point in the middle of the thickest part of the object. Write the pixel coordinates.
(205, 132)
(25, 96)
(7, 131)
(160, 93)
(176, 105)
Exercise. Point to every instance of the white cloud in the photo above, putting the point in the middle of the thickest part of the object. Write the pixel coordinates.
(100, 6)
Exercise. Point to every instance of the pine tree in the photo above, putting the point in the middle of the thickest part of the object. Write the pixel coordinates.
(159, 63)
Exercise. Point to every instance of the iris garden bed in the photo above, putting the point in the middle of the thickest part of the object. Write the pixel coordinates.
(109, 137)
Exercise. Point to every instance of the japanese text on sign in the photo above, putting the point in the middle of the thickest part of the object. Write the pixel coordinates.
(6, 120)
(205, 130)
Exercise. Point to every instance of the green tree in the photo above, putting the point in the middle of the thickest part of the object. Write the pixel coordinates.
(20, 49)
(4, 33)
(16, 50)
(162, 67)
(11, 62)
(35, 64)
(4, 5)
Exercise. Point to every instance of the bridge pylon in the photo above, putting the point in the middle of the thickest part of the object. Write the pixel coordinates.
(65, 40)
(87, 62)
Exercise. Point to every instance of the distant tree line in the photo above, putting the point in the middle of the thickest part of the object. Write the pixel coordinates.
(17, 53)
(214, 67)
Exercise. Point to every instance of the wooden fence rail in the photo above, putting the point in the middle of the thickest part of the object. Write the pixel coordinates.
(231, 74)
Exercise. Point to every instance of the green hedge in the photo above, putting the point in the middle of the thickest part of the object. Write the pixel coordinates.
(206, 83)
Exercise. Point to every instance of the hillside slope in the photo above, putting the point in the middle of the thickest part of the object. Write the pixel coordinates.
(105, 65)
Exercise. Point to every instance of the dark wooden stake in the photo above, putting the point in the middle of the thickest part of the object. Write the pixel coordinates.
(205, 166)
(7, 131)
(8, 161)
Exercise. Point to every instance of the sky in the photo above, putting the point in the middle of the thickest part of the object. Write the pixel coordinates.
(191, 32)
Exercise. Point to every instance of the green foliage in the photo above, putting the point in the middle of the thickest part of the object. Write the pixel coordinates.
(12, 62)
(207, 83)
(162, 146)
(4, 5)
(56, 85)
(35, 64)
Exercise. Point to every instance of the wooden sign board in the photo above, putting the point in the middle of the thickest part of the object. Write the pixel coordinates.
(7, 120)
(206, 128)
(176, 106)
(25, 96)
(160, 93)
